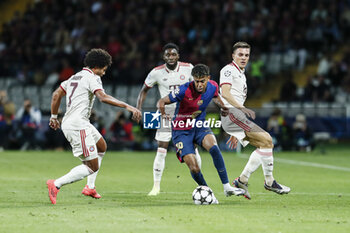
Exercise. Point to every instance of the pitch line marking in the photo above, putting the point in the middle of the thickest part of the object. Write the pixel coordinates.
(259, 193)
(303, 163)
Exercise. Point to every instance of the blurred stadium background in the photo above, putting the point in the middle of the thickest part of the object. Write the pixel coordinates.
(298, 75)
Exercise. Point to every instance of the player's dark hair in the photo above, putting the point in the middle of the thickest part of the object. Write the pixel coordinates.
(200, 71)
(240, 44)
(97, 58)
(171, 46)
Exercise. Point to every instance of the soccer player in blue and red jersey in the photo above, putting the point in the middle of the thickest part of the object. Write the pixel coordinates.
(189, 127)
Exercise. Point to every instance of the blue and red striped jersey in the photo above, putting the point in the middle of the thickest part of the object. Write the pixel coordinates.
(191, 104)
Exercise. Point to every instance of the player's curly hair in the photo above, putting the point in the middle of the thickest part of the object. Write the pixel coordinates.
(171, 46)
(240, 44)
(97, 58)
(200, 71)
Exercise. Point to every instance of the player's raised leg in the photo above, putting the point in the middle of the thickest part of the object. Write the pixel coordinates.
(209, 143)
(76, 174)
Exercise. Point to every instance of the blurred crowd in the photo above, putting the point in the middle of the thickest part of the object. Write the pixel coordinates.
(294, 135)
(48, 43)
(331, 83)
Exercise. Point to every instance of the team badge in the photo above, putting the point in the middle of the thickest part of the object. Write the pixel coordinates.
(200, 102)
(92, 148)
(227, 73)
(182, 77)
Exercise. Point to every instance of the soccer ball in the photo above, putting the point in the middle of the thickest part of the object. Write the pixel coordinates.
(203, 195)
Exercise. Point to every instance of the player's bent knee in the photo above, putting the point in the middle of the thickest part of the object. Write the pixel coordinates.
(101, 146)
(92, 164)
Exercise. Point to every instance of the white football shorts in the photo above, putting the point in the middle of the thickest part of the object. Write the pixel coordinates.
(83, 142)
(164, 133)
(236, 123)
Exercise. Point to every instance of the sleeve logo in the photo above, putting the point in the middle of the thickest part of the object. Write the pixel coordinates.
(227, 73)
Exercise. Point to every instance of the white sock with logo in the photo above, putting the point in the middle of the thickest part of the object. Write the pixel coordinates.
(158, 165)
(266, 158)
(92, 178)
(198, 158)
(251, 166)
(77, 173)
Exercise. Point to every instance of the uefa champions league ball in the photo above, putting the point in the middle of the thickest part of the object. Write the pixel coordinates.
(202, 195)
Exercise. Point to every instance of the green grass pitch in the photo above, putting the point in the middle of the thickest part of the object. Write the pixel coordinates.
(319, 201)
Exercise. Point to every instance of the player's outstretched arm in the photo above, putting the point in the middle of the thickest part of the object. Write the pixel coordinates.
(225, 92)
(142, 96)
(218, 101)
(55, 104)
(161, 104)
(107, 99)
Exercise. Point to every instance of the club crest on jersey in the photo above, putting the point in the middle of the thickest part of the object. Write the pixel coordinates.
(200, 102)
(182, 77)
(227, 73)
(92, 148)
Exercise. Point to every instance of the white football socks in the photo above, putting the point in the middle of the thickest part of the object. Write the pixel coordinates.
(77, 173)
(227, 186)
(251, 166)
(92, 178)
(266, 158)
(198, 158)
(158, 165)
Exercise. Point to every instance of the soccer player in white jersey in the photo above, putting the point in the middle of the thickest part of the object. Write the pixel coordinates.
(168, 77)
(234, 92)
(86, 142)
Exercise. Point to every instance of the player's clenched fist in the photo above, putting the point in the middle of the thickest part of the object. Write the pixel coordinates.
(54, 123)
(136, 114)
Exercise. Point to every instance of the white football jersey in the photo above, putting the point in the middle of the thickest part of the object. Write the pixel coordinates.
(168, 80)
(233, 75)
(80, 95)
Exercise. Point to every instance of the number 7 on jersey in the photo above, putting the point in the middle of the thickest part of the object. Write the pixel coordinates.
(74, 85)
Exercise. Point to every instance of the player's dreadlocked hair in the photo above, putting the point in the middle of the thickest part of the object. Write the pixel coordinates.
(97, 58)
(171, 46)
(200, 71)
(240, 44)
